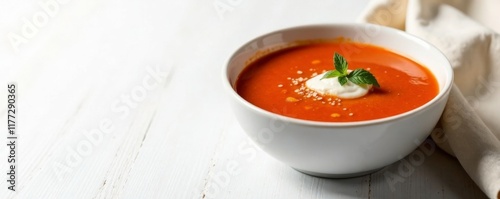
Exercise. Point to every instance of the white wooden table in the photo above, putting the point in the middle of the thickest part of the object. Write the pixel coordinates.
(124, 99)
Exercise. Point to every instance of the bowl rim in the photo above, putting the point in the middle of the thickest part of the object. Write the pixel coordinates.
(443, 93)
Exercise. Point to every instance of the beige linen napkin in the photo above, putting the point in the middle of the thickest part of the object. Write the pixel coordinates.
(465, 32)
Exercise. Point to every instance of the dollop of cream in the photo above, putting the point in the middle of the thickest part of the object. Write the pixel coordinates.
(331, 86)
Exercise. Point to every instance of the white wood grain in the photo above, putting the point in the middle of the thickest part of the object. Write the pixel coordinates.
(436, 175)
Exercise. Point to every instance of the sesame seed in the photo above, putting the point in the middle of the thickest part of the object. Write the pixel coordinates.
(335, 115)
(351, 114)
(291, 99)
(280, 85)
(299, 72)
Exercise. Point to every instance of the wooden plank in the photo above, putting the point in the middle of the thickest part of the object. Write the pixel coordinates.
(426, 173)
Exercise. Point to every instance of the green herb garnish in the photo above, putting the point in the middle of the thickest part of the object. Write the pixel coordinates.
(358, 76)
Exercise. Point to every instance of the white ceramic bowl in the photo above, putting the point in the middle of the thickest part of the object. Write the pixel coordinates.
(341, 149)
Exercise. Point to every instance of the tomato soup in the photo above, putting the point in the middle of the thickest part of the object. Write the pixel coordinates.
(276, 83)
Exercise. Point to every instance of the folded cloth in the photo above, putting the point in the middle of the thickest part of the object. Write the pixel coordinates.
(464, 31)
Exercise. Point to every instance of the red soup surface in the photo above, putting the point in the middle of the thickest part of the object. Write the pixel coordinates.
(276, 83)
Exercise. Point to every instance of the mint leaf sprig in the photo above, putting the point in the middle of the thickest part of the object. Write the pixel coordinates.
(358, 76)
